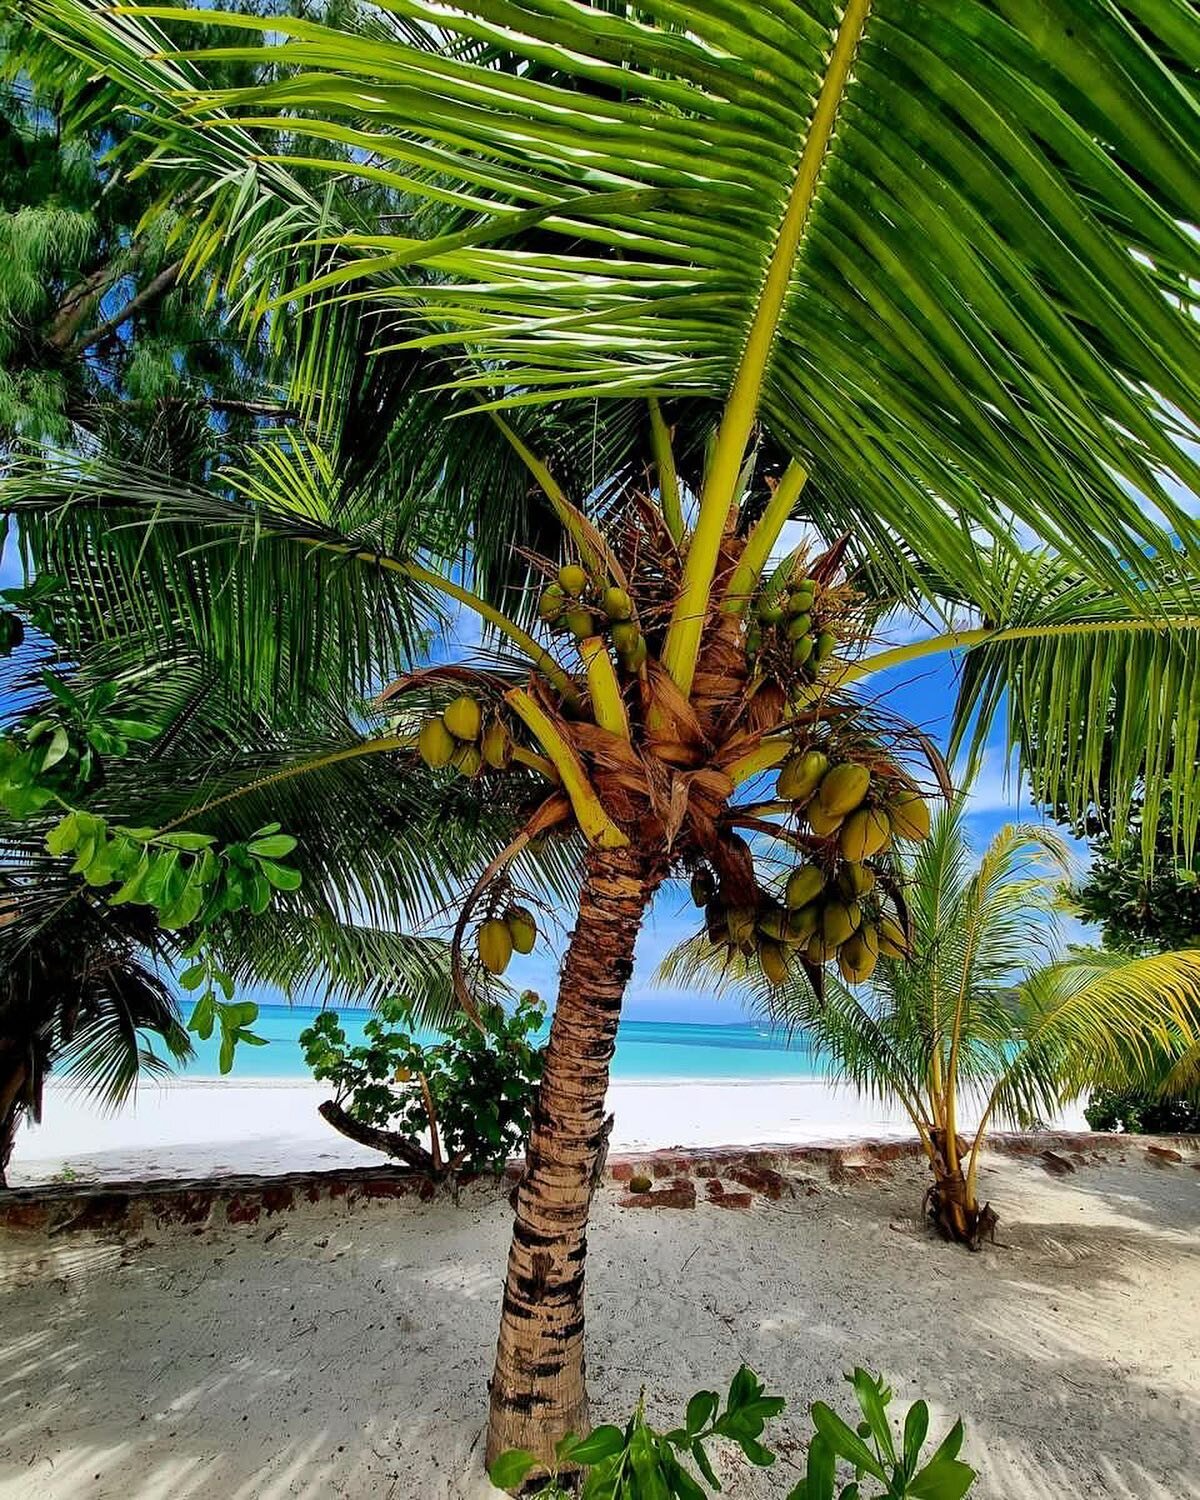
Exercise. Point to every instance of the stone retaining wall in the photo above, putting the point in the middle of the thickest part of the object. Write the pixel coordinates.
(768, 1171)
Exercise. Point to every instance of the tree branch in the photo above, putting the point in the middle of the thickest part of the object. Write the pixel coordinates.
(156, 287)
(390, 1142)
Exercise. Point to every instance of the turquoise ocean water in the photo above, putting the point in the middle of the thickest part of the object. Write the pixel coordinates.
(645, 1049)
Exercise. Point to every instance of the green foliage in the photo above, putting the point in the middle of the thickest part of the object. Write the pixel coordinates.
(1142, 1113)
(188, 879)
(1140, 909)
(875, 1450)
(481, 1081)
(639, 1463)
(57, 755)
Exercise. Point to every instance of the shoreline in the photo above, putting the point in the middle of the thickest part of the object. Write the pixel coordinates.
(188, 1128)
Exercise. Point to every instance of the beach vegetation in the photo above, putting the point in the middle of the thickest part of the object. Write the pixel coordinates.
(469, 1092)
(1143, 1112)
(985, 1014)
(639, 1463)
(644, 294)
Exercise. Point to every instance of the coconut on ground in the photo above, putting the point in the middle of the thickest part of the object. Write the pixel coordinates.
(333, 1352)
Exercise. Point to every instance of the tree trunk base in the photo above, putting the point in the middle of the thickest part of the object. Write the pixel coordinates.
(955, 1217)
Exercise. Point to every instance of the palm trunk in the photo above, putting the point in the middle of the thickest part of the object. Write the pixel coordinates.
(12, 1103)
(537, 1390)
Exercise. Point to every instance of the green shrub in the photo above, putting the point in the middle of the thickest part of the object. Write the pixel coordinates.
(481, 1083)
(640, 1184)
(1142, 1114)
(638, 1463)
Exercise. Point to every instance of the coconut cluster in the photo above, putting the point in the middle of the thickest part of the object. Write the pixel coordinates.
(788, 627)
(498, 938)
(832, 906)
(585, 606)
(459, 737)
(851, 803)
(818, 914)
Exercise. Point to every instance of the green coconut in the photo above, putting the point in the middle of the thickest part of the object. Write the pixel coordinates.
(522, 928)
(800, 775)
(572, 579)
(804, 884)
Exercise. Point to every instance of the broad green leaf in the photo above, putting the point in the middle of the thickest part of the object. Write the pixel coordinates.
(941, 1479)
(700, 1411)
(916, 1426)
(512, 1468)
(276, 846)
(282, 877)
(844, 1441)
(601, 1443)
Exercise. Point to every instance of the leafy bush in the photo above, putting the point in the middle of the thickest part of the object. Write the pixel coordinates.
(478, 1084)
(1142, 1114)
(638, 1463)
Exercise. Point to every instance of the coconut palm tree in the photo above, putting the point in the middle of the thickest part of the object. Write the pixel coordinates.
(986, 1011)
(659, 281)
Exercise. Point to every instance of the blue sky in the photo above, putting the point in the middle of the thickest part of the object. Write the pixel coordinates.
(922, 692)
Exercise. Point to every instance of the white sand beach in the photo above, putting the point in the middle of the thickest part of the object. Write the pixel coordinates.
(343, 1352)
(200, 1128)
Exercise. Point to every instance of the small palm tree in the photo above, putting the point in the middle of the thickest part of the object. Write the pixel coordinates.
(973, 1018)
(915, 277)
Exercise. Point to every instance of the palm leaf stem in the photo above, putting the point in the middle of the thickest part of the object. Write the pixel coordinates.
(762, 538)
(953, 640)
(668, 477)
(741, 410)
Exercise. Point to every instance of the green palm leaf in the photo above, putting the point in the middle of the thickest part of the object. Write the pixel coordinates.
(940, 246)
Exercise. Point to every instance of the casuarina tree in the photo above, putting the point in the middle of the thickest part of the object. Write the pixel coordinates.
(661, 280)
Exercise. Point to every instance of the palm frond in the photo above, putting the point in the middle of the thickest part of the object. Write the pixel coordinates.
(986, 282)
(1102, 694)
(1099, 1018)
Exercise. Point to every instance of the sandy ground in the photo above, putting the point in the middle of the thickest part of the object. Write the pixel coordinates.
(344, 1353)
(195, 1129)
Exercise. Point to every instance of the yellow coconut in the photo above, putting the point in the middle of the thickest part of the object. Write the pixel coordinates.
(773, 957)
(435, 743)
(893, 940)
(804, 884)
(467, 759)
(634, 660)
(856, 880)
(856, 962)
(909, 813)
(823, 824)
(463, 718)
(864, 833)
(572, 579)
(496, 747)
(838, 920)
(522, 928)
(581, 623)
(800, 774)
(495, 945)
(803, 923)
(552, 603)
(843, 788)
(817, 952)
(625, 636)
(772, 923)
